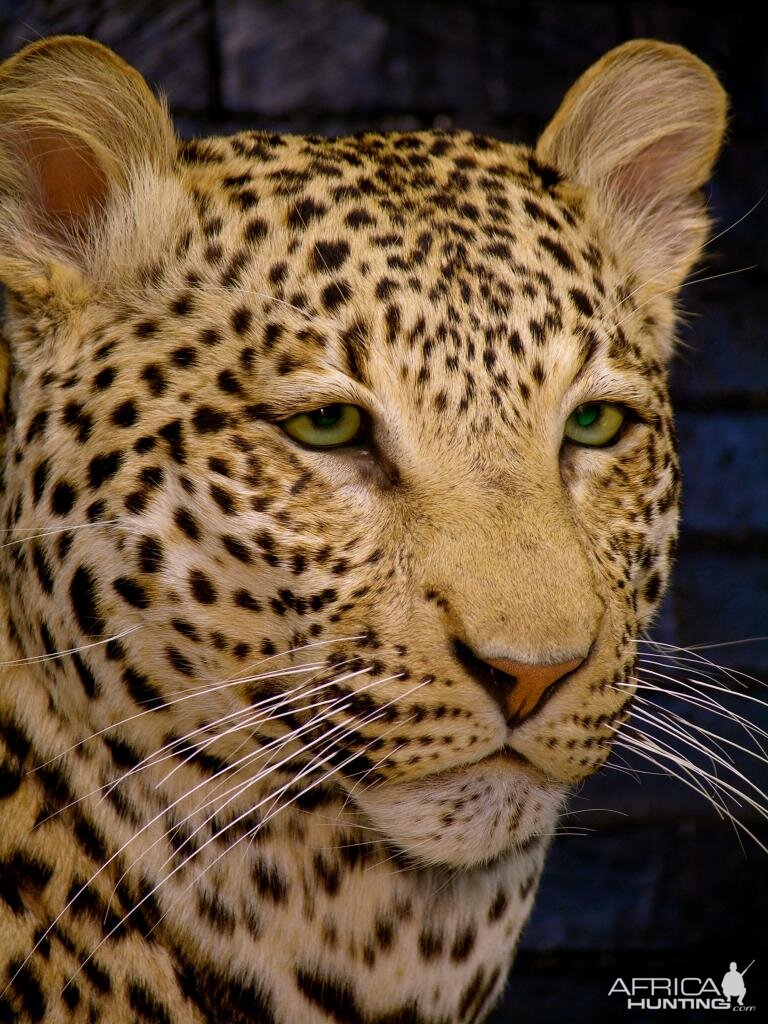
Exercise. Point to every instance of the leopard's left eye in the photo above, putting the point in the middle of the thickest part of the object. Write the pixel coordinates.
(327, 427)
(595, 424)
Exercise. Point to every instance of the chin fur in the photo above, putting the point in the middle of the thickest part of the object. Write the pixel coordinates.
(467, 817)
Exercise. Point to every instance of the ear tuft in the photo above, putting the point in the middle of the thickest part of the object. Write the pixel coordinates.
(77, 124)
(641, 129)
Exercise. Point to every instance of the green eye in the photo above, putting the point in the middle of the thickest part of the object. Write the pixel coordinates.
(595, 424)
(326, 427)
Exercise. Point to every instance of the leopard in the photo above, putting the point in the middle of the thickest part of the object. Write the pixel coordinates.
(339, 480)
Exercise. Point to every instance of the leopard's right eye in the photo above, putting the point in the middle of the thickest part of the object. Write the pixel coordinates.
(595, 424)
(326, 427)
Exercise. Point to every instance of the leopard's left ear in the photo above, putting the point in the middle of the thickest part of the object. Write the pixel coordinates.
(641, 129)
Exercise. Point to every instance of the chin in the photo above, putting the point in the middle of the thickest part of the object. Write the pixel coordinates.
(467, 817)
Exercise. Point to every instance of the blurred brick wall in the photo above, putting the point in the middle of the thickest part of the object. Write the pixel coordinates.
(664, 885)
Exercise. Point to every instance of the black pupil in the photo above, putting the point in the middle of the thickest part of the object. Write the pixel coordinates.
(328, 416)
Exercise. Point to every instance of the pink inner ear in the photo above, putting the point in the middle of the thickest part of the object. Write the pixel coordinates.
(71, 183)
(652, 172)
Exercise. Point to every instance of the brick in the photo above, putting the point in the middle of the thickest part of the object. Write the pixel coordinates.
(659, 886)
(723, 359)
(510, 60)
(721, 595)
(168, 43)
(724, 459)
(277, 59)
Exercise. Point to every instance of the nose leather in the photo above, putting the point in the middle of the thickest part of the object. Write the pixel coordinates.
(526, 687)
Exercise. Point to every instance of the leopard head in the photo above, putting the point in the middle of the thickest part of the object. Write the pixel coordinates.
(363, 441)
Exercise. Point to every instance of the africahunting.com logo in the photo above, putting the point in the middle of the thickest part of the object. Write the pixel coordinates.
(685, 993)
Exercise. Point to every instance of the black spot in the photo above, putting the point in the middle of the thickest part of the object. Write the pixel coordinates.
(155, 379)
(558, 252)
(202, 588)
(97, 976)
(136, 501)
(74, 416)
(272, 334)
(62, 498)
(22, 873)
(145, 329)
(223, 498)
(15, 739)
(82, 594)
(141, 689)
(207, 420)
(359, 218)
(150, 554)
(329, 256)
(255, 230)
(550, 177)
(179, 661)
(186, 629)
(269, 882)
(55, 784)
(71, 995)
(304, 211)
(182, 304)
(244, 599)
(42, 568)
(220, 466)
(582, 301)
(26, 986)
(328, 873)
(464, 944)
(241, 319)
(184, 357)
(85, 675)
(187, 523)
(10, 780)
(90, 839)
(216, 912)
(277, 273)
(336, 294)
(223, 997)
(236, 548)
(172, 432)
(430, 944)
(95, 511)
(228, 383)
(123, 754)
(39, 480)
(210, 336)
(104, 378)
(470, 995)
(499, 905)
(36, 425)
(652, 588)
(131, 592)
(103, 467)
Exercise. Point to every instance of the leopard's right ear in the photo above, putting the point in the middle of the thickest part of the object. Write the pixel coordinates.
(78, 128)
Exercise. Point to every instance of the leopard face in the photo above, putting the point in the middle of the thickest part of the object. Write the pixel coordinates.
(174, 306)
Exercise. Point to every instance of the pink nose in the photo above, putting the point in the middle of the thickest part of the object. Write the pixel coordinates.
(525, 688)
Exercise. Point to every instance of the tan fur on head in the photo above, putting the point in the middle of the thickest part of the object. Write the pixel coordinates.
(641, 129)
(77, 124)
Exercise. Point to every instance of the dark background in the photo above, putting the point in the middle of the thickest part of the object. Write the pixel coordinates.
(663, 887)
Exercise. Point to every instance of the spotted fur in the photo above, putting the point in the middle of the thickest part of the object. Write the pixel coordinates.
(174, 565)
